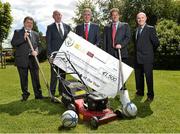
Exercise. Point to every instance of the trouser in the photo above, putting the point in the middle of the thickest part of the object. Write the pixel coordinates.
(54, 80)
(140, 71)
(23, 74)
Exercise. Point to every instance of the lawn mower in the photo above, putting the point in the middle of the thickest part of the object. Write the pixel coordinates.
(90, 105)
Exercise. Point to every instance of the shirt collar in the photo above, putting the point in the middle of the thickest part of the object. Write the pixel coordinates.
(87, 23)
(142, 26)
(116, 23)
(58, 23)
(27, 30)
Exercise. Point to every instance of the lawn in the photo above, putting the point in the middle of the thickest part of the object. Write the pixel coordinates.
(42, 116)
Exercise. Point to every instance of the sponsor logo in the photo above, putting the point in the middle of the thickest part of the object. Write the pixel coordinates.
(90, 54)
(69, 42)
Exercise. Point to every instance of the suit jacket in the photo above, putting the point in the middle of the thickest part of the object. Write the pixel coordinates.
(93, 34)
(123, 36)
(54, 39)
(22, 49)
(145, 45)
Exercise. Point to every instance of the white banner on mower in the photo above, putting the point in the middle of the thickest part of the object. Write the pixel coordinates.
(99, 69)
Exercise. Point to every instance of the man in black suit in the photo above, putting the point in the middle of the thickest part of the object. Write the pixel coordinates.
(88, 30)
(117, 36)
(146, 42)
(24, 58)
(55, 35)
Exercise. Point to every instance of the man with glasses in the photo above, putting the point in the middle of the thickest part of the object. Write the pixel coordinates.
(88, 30)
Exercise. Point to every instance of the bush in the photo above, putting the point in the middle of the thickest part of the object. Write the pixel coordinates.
(169, 50)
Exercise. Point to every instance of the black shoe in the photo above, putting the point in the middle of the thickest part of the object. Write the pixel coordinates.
(149, 99)
(53, 100)
(39, 97)
(25, 97)
(139, 94)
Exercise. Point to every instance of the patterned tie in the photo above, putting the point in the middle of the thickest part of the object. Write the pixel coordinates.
(86, 31)
(113, 34)
(29, 32)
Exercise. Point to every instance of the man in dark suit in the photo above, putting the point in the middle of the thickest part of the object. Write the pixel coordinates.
(55, 35)
(146, 42)
(117, 36)
(24, 58)
(88, 30)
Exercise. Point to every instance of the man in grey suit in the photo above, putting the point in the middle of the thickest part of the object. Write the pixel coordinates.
(55, 35)
(88, 30)
(146, 42)
(24, 58)
(117, 35)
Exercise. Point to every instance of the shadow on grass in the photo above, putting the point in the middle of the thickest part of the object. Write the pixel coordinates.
(32, 106)
(144, 108)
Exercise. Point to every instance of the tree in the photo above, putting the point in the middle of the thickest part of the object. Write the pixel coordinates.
(79, 10)
(96, 13)
(107, 5)
(5, 23)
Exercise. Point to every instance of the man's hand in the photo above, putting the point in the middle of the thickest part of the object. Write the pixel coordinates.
(51, 60)
(34, 53)
(118, 46)
(26, 34)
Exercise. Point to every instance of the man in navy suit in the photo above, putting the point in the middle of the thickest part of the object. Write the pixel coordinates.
(146, 42)
(88, 30)
(55, 35)
(117, 36)
(24, 58)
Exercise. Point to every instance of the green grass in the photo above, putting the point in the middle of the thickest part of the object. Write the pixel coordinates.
(40, 116)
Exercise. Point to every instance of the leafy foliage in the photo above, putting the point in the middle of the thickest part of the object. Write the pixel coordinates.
(169, 49)
(79, 10)
(5, 24)
(5, 20)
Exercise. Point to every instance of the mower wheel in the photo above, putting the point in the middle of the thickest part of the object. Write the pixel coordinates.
(119, 114)
(94, 122)
(71, 107)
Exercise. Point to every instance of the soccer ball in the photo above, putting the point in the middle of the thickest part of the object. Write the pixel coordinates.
(130, 110)
(69, 119)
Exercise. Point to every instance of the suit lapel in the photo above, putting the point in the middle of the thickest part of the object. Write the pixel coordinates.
(118, 31)
(82, 31)
(143, 30)
(90, 30)
(136, 33)
(65, 30)
(32, 37)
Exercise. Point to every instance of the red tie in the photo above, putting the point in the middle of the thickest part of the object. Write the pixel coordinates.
(86, 31)
(113, 33)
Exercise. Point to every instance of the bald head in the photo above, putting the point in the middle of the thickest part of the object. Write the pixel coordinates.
(141, 19)
(57, 16)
